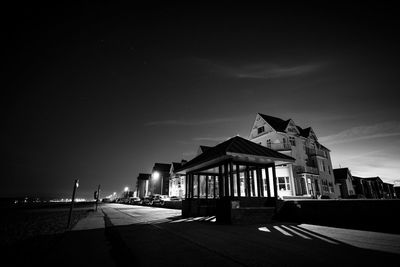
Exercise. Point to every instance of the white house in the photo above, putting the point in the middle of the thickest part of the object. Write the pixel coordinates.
(311, 174)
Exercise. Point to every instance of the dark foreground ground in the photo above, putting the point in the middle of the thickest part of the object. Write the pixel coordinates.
(22, 222)
(146, 236)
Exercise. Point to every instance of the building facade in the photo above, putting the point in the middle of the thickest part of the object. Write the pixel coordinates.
(344, 179)
(373, 187)
(311, 174)
(177, 181)
(159, 179)
(142, 185)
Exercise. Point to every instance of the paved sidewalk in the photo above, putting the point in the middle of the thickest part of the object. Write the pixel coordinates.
(122, 234)
(357, 238)
(94, 220)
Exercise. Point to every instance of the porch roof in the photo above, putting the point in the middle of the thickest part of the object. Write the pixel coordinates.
(236, 147)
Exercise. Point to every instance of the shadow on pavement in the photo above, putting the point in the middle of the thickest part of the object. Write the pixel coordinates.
(190, 243)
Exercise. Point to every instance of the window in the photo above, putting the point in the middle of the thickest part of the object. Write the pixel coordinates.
(283, 183)
(292, 141)
(309, 186)
(260, 130)
(331, 190)
(320, 165)
(269, 143)
(325, 186)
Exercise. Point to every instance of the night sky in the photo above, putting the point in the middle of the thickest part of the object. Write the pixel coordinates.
(102, 92)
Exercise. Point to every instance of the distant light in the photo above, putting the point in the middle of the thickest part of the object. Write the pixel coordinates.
(126, 189)
(114, 193)
(155, 175)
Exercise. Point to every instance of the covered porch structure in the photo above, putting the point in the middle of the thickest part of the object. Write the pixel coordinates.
(235, 181)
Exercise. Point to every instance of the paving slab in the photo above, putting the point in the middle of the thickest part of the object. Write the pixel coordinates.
(94, 220)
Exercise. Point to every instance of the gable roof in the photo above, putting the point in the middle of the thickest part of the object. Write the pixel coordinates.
(237, 145)
(276, 123)
(162, 167)
(304, 132)
(204, 148)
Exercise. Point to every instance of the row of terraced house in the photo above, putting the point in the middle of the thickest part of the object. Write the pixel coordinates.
(308, 173)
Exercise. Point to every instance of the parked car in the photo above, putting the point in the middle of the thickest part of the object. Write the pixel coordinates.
(175, 198)
(160, 199)
(123, 200)
(135, 200)
(148, 200)
(106, 200)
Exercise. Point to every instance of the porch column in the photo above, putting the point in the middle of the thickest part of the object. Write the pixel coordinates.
(220, 181)
(266, 168)
(186, 182)
(260, 183)
(231, 179)
(191, 185)
(274, 179)
(238, 179)
(226, 179)
(206, 186)
(252, 185)
(198, 185)
(247, 181)
(214, 180)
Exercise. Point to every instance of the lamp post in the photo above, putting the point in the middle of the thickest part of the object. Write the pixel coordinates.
(126, 189)
(76, 185)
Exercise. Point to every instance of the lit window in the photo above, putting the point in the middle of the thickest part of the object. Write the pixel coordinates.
(283, 183)
(260, 129)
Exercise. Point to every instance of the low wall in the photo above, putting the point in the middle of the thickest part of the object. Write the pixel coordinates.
(232, 210)
(373, 215)
(198, 207)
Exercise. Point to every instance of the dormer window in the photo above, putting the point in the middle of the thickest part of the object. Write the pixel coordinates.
(260, 130)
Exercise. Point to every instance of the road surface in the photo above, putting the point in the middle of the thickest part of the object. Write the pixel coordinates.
(125, 235)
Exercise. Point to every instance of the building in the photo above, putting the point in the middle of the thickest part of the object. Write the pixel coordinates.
(234, 180)
(388, 191)
(159, 179)
(311, 174)
(344, 179)
(373, 187)
(396, 189)
(177, 181)
(142, 185)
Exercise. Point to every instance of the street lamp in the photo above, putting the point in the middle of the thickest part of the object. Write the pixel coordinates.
(126, 189)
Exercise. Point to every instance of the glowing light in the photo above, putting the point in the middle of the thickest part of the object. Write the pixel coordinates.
(155, 175)
(126, 189)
